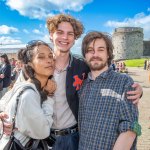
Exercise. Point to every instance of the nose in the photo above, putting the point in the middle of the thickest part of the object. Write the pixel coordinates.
(65, 36)
(95, 53)
(50, 60)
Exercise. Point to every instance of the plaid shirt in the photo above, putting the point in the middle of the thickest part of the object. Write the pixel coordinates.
(104, 111)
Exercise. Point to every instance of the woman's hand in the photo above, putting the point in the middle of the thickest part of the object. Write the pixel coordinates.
(50, 87)
(2, 76)
(7, 126)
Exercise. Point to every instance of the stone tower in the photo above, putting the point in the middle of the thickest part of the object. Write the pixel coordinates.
(128, 42)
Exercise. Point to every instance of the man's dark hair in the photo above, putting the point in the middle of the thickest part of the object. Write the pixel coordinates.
(6, 60)
(92, 36)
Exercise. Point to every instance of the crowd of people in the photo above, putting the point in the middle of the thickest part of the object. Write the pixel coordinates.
(119, 66)
(79, 103)
(9, 72)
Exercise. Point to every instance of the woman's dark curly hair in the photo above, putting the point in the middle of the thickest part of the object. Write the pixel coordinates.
(25, 55)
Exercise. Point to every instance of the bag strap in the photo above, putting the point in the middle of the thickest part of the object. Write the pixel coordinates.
(2, 128)
(16, 107)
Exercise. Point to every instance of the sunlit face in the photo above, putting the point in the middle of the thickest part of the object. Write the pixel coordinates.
(63, 38)
(43, 61)
(18, 64)
(96, 55)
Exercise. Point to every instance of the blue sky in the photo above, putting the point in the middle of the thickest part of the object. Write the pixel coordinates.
(25, 20)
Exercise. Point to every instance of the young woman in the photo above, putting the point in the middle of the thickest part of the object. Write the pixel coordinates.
(5, 74)
(16, 70)
(35, 108)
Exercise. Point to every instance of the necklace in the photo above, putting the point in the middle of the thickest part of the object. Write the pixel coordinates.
(58, 70)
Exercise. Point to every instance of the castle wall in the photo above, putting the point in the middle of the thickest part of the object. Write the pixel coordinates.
(146, 47)
(128, 43)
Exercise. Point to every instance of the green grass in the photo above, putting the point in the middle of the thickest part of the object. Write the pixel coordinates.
(135, 62)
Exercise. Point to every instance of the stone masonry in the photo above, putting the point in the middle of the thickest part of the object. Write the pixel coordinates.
(128, 42)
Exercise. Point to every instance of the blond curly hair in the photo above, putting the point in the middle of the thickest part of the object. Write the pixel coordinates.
(53, 22)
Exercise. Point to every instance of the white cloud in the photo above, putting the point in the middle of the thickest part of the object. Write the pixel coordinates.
(26, 31)
(7, 30)
(36, 31)
(9, 40)
(42, 8)
(139, 20)
(76, 49)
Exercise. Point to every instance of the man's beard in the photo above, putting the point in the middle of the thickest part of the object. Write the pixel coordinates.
(96, 66)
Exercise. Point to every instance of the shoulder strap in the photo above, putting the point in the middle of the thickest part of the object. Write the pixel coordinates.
(17, 102)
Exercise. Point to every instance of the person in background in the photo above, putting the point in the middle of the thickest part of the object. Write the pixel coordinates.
(108, 120)
(149, 76)
(5, 74)
(16, 70)
(145, 64)
(113, 65)
(13, 63)
(35, 108)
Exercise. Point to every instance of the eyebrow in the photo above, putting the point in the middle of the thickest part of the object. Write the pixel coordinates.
(101, 47)
(59, 30)
(63, 31)
(98, 47)
(44, 53)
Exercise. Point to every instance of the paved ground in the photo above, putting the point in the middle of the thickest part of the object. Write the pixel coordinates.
(142, 77)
